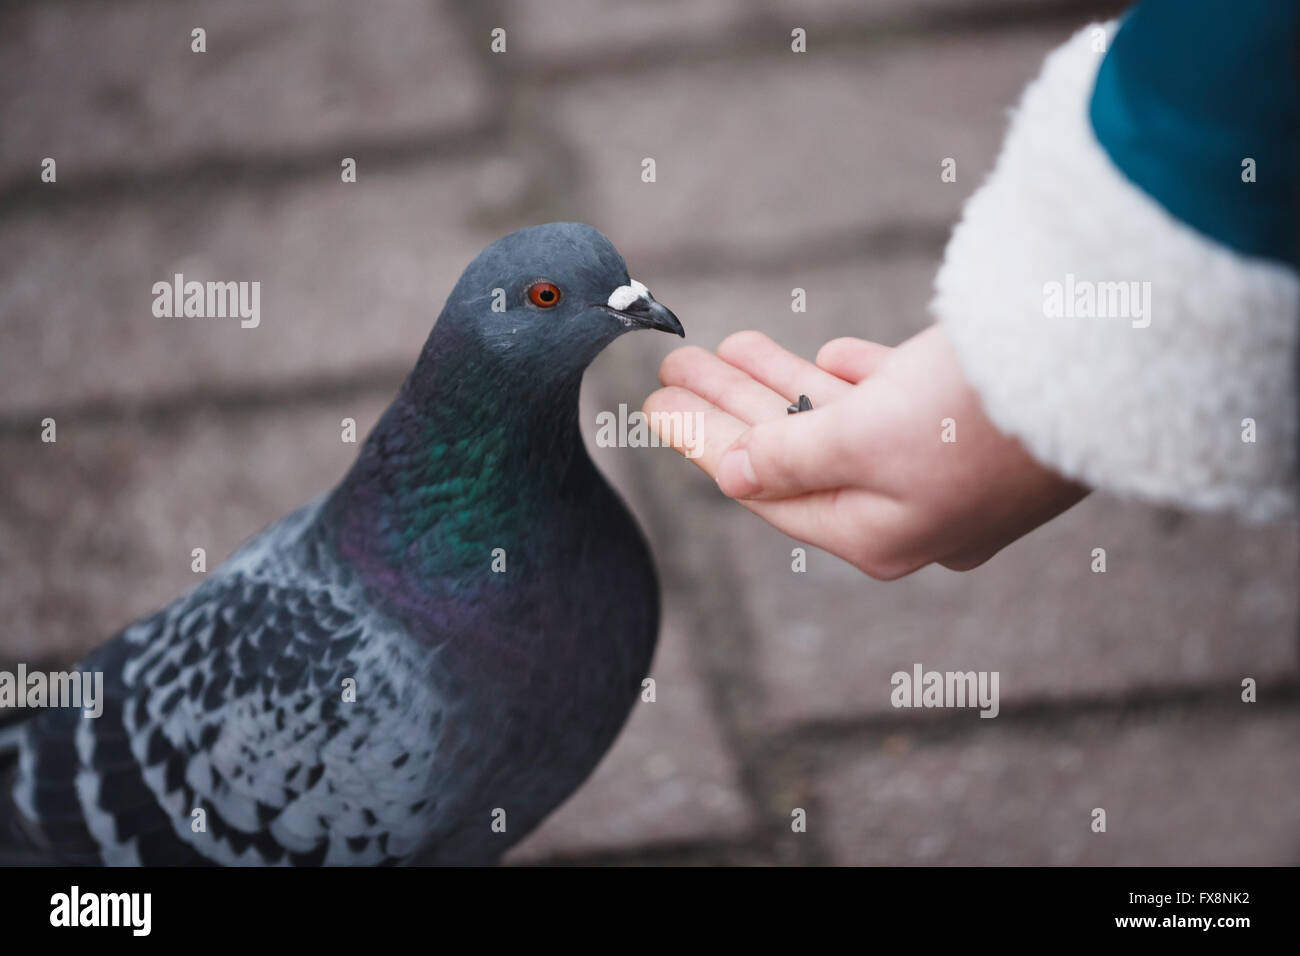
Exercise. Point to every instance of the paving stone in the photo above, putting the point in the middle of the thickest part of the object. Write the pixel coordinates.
(561, 32)
(352, 276)
(97, 528)
(1203, 790)
(115, 86)
(1184, 601)
(557, 34)
(882, 298)
(771, 152)
(668, 779)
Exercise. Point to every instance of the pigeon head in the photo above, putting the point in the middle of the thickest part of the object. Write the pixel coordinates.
(541, 303)
(486, 425)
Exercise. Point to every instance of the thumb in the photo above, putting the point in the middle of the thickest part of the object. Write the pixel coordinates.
(790, 456)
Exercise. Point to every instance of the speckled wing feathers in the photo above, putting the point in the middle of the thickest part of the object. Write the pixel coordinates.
(231, 702)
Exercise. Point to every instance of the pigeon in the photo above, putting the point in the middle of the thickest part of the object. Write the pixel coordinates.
(417, 666)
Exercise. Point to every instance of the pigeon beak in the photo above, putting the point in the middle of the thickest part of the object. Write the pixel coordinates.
(635, 307)
(649, 314)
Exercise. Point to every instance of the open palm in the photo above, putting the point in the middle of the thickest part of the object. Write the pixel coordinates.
(895, 467)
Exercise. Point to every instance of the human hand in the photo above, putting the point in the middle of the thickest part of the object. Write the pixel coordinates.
(866, 474)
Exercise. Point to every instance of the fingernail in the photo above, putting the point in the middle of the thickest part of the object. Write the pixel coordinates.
(736, 475)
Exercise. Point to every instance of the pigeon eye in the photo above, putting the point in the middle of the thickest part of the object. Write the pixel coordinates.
(544, 295)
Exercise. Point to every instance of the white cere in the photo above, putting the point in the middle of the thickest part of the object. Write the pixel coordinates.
(625, 295)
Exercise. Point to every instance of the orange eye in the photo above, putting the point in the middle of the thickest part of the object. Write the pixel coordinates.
(544, 295)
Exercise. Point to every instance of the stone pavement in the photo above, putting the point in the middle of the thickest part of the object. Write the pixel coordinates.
(775, 170)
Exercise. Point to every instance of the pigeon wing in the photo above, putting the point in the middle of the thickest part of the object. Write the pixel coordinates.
(230, 734)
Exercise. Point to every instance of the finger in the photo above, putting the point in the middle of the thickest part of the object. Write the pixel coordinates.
(809, 518)
(819, 518)
(722, 384)
(693, 426)
(792, 456)
(851, 359)
(779, 369)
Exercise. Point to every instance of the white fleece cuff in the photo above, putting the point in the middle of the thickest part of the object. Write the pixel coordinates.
(1032, 295)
